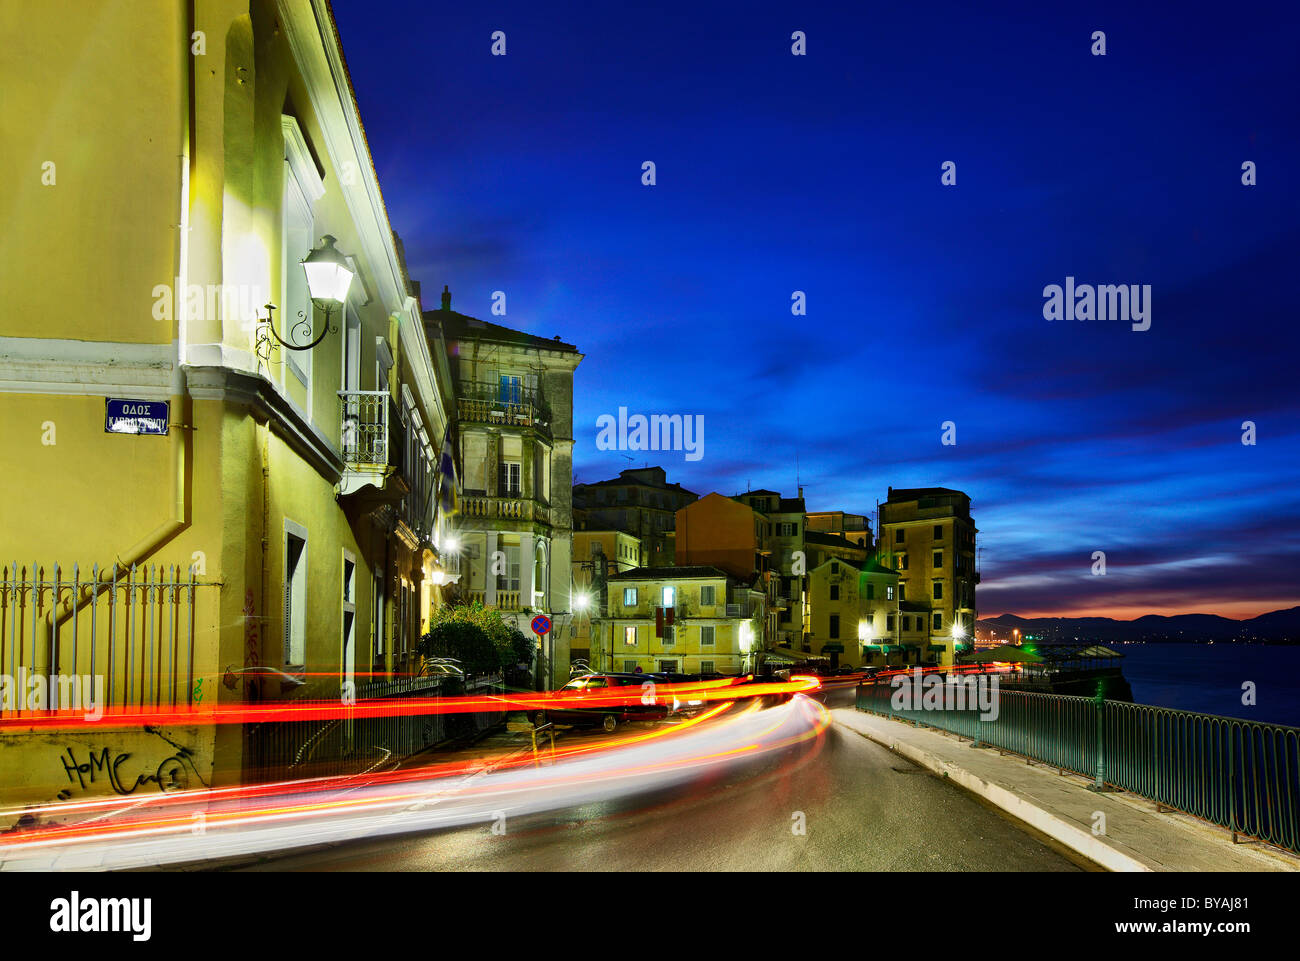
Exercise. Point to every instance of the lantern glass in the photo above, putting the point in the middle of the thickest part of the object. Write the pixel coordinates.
(328, 274)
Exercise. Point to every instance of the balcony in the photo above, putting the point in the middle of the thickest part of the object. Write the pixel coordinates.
(498, 405)
(368, 441)
(505, 600)
(515, 508)
(385, 462)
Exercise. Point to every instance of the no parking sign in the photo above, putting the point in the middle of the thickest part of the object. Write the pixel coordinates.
(541, 624)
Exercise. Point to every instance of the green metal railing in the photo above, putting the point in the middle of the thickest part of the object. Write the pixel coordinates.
(1241, 775)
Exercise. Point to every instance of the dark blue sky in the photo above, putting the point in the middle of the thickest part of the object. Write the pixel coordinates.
(821, 173)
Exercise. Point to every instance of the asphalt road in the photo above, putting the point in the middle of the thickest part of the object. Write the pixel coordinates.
(863, 809)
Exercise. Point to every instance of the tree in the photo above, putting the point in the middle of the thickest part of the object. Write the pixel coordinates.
(476, 636)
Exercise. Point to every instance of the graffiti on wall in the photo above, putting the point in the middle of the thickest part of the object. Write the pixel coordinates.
(102, 765)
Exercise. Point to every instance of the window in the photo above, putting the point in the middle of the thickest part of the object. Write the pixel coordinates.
(349, 616)
(899, 536)
(706, 667)
(706, 635)
(938, 559)
(295, 594)
(835, 592)
(509, 581)
(889, 592)
(510, 390)
(629, 636)
(871, 592)
(629, 667)
(378, 604)
(835, 626)
(509, 482)
(902, 562)
(907, 623)
(787, 530)
(404, 617)
(668, 667)
(938, 621)
(938, 532)
(938, 590)
(835, 567)
(889, 623)
(629, 597)
(302, 188)
(707, 598)
(670, 596)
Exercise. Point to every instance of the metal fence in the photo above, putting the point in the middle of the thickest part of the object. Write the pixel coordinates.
(1241, 775)
(294, 750)
(132, 628)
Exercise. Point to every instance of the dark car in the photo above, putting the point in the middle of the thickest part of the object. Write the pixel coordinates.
(567, 706)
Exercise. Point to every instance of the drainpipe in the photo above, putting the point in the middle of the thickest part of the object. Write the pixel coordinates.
(182, 448)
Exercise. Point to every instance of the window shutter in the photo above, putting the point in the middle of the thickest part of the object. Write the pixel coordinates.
(659, 622)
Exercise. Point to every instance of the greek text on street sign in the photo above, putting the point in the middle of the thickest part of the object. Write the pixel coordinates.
(136, 416)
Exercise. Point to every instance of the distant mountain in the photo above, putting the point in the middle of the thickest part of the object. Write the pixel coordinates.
(1279, 626)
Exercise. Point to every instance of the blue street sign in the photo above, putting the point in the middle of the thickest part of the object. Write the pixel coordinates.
(136, 416)
(541, 624)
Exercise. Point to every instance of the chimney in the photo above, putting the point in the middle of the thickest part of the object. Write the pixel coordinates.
(801, 492)
(446, 297)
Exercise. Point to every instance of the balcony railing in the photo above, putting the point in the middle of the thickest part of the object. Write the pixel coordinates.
(485, 403)
(505, 600)
(380, 450)
(364, 416)
(504, 508)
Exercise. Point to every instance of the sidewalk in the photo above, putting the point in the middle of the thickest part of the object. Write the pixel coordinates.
(1061, 806)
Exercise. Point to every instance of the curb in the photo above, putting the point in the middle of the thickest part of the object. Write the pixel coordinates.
(1074, 838)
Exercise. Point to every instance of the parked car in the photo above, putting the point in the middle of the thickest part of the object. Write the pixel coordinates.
(442, 666)
(580, 668)
(567, 707)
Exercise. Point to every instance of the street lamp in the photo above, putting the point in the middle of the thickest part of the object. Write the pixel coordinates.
(329, 275)
(958, 635)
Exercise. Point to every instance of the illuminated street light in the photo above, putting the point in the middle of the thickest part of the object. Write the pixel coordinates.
(329, 275)
(581, 601)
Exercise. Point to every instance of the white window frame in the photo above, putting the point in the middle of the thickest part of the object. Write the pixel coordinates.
(296, 583)
(634, 632)
(629, 597)
(302, 188)
(708, 635)
(348, 591)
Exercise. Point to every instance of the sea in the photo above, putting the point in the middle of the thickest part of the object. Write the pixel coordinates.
(1209, 678)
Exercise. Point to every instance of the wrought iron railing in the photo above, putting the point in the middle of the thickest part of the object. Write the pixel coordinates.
(373, 741)
(486, 403)
(131, 631)
(364, 416)
(1242, 775)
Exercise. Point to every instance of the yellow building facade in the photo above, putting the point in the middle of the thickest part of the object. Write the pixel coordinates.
(684, 620)
(152, 213)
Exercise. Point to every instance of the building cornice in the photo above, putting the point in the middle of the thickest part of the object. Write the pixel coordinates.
(265, 402)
